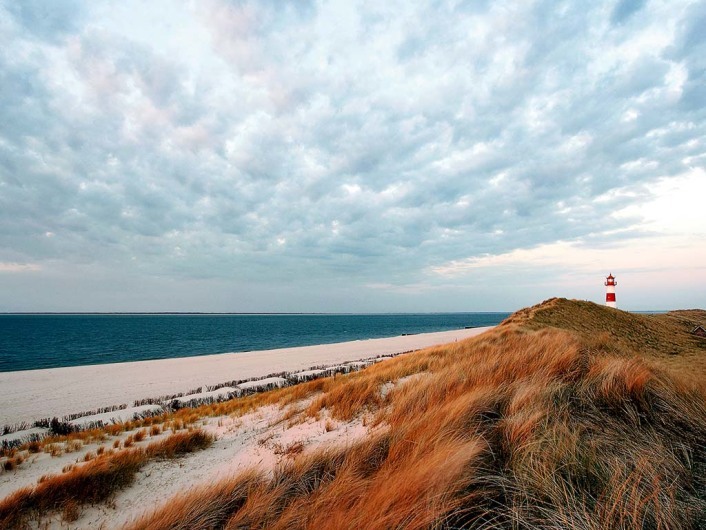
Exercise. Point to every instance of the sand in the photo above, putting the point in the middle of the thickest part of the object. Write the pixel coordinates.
(29, 395)
(259, 439)
(263, 438)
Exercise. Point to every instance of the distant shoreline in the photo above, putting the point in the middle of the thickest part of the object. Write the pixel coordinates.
(155, 313)
(42, 341)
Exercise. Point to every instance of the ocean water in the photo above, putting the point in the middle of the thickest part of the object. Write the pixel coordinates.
(29, 342)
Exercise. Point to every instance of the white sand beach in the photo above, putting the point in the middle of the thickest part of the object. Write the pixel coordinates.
(29, 395)
(264, 438)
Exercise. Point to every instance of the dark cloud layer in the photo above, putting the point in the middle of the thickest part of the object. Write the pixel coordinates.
(275, 144)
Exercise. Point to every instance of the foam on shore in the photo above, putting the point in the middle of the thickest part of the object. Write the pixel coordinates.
(30, 395)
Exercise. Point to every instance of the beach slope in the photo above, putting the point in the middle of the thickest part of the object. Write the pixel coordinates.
(29, 395)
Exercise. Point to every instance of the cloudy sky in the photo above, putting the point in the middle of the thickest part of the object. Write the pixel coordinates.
(351, 156)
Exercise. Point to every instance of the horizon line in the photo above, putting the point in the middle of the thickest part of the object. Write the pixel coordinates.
(242, 312)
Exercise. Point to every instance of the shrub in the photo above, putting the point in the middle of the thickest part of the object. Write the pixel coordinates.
(60, 428)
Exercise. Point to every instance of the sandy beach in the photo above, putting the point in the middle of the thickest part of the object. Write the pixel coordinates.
(35, 394)
(262, 438)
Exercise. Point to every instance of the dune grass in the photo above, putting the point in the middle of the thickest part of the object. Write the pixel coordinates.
(663, 337)
(94, 481)
(527, 426)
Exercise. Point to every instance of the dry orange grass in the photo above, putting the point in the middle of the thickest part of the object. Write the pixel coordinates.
(664, 338)
(94, 481)
(518, 428)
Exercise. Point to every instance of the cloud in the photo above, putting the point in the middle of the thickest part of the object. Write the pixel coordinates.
(689, 49)
(575, 258)
(672, 222)
(19, 267)
(624, 9)
(44, 21)
(268, 144)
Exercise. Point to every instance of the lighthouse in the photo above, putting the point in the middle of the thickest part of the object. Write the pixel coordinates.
(610, 284)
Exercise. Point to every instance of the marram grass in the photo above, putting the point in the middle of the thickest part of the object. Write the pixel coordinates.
(528, 426)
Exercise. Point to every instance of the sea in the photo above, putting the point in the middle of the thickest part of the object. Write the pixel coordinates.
(34, 341)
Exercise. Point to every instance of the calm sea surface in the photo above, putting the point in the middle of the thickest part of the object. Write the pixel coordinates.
(29, 342)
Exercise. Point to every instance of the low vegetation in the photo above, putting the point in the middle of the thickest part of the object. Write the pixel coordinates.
(556, 419)
(95, 481)
(662, 337)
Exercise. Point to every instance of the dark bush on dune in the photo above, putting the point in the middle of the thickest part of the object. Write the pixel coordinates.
(60, 428)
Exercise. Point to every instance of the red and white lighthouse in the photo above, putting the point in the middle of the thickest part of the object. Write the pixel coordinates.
(610, 284)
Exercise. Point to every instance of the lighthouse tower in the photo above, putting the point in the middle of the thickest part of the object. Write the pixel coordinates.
(610, 284)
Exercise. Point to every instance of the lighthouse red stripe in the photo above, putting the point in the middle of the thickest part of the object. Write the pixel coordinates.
(610, 297)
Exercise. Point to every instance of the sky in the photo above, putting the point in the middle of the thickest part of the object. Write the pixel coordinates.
(351, 156)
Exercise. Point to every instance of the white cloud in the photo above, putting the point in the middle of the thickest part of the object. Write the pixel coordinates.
(674, 247)
(374, 142)
(677, 206)
(19, 267)
(656, 254)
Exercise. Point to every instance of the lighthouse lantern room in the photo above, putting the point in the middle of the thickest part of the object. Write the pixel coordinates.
(610, 284)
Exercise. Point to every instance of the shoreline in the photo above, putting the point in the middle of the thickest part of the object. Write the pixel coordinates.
(30, 395)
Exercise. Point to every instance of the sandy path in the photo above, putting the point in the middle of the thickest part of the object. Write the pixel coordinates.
(34, 394)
